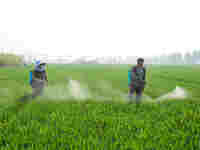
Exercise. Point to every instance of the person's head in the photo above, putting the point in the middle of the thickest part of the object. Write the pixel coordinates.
(40, 66)
(140, 62)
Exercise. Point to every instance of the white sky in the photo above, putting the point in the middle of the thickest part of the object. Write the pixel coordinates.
(100, 28)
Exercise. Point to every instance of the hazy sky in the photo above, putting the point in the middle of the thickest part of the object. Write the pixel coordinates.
(103, 27)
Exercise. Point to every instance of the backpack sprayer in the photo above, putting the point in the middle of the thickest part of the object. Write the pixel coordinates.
(129, 77)
(31, 73)
(30, 77)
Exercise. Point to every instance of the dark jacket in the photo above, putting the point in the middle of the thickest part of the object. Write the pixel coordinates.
(40, 75)
(38, 79)
(138, 77)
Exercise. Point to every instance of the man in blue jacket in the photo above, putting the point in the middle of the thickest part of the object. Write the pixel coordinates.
(39, 79)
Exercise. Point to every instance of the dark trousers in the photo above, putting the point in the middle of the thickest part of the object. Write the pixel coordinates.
(138, 90)
(37, 88)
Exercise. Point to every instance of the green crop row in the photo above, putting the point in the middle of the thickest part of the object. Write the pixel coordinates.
(91, 124)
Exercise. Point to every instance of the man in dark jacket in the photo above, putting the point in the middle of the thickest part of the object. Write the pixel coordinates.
(138, 80)
(39, 79)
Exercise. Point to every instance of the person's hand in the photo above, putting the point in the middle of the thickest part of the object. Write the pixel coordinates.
(129, 86)
(142, 82)
(39, 80)
(47, 83)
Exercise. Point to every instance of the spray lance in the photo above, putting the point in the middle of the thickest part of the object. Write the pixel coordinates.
(129, 76)
(149, 74)
(148, 68)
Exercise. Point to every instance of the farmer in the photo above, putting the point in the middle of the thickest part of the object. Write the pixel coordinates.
(39, 79)
(138, 80)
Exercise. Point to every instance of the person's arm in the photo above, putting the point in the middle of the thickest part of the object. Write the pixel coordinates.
(33, 75)
(133, 73)
(46, 76)
(144, 74)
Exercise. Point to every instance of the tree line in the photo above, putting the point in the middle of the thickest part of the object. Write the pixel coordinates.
(179, 58)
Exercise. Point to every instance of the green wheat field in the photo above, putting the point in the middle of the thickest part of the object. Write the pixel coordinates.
(103, 120)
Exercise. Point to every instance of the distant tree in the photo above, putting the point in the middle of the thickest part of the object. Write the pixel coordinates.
(188, 58)
(10, 59)
(155, 60)
(176, 58)
(164, 59)
(180, 58)
(198, 56)
(195, 56)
